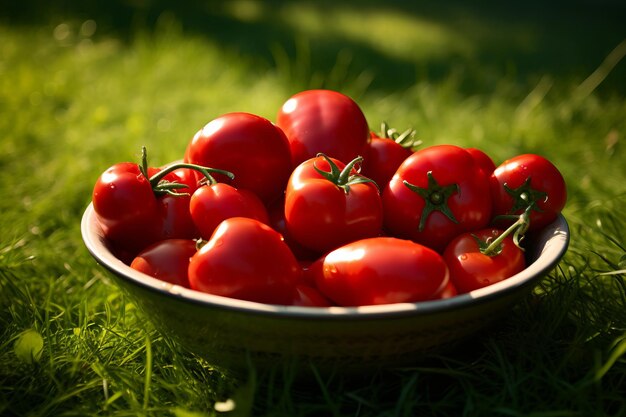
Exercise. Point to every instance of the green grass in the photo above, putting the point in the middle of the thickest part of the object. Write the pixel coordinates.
(544, 79)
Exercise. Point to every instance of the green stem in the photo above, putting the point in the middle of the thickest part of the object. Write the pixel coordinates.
(518, 229)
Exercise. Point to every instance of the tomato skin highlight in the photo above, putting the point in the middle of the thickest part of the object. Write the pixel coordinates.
(212, 204)
(321, 216)
(470, 269)
(323, 121)
(539, 179)
(454, 170)
(167, 260)
(251, 147)
(380, 270)
(248, 260)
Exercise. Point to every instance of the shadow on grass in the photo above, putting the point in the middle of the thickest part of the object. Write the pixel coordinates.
(478, 43)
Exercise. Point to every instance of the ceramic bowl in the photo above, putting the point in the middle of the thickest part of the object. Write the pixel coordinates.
(229, 333)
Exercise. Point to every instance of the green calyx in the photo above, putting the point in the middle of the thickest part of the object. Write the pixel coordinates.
(435, 198)
(405, 139)
(525, 196)
(161, 186)
(343, 178)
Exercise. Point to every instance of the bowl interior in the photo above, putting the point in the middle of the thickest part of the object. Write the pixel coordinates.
(546, 250)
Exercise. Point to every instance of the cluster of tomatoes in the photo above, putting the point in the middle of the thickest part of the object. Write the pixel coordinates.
(317, 210)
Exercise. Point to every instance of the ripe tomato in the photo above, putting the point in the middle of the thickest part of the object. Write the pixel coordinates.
(131, 206)
(276, 213)
(386, 152)
(437, 193)
(483, 160)
(167, 260)
(380, 270)
(328, 204)
(471, 267)
(126, 207)
(212, 204)
(323, 121)
(529, 180)
(177, 221)
(247, 260)
(249, 146)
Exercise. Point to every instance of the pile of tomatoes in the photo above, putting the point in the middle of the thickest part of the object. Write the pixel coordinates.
(317, 210)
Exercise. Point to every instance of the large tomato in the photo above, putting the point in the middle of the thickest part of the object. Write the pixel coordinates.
(249, 146)
(248, 260)
(323, 121)
(328, 204)
(474, 263)
(525, 181)
(437, 193)
(381, 270)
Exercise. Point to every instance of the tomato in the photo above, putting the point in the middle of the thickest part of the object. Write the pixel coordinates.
(471, 267)
(323, 121)
(437, 193)
(212, 204)
(307, 296)
(126, 207)
(167, 260)
(386, 152)
(131, 206)
(328, 204)
(249, 146)
(529, 180)
(483, 160)
(381, 270)
(248, 260)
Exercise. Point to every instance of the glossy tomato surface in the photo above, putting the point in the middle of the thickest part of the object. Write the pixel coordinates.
(249, 146)
(529, 180)
(167, 260)
(380, 270)
(471, 269)
(247, 260)
(436, 194)
(323, 121)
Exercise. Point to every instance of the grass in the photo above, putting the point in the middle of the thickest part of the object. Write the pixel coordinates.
(82, 87)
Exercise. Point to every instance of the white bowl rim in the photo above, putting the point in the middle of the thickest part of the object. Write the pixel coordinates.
(556, 236)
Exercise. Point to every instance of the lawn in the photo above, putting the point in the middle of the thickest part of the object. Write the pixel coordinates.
(85, 84)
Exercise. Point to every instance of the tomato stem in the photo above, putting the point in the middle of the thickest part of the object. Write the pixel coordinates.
(159, 186)
(518, 229)
(343, 178)
(405, 139)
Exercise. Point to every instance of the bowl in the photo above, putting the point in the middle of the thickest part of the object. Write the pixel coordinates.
(230, 334)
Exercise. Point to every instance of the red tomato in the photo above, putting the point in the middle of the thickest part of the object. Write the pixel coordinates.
(385, 153)
(483, 160)
(177, 221)
(529, 180)
(381, 270)
(249, 146)
(131, 206)
(326, 210)
(437, 193)
(323, 121)
(126, 207)
(471, 268)
(167, 260)
(306, 296)
(212, 204)
(247, 260)
(276, 212)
